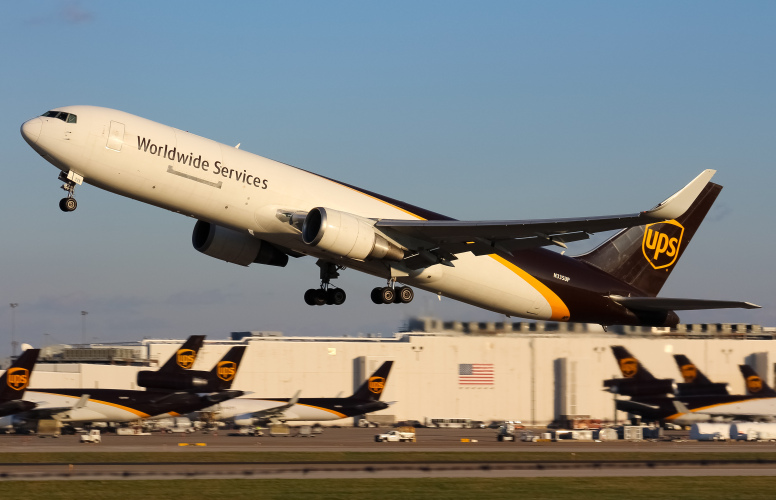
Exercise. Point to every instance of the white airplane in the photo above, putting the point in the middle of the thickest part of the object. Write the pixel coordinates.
(251, 209)
(251, 411)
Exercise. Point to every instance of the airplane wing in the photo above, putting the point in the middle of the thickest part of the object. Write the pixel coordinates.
(276, 411)
(42, 411)
(669, 304)
(449, 237)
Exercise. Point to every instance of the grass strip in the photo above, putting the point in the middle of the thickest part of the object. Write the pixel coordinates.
(195, 455)
(631, 488)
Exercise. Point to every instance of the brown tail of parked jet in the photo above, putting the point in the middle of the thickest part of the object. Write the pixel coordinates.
(644, 256)
(637, 380)
(695, 382)
(755, 386)
(14, 382)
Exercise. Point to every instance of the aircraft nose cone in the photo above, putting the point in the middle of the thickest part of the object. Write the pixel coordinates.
(31, 130)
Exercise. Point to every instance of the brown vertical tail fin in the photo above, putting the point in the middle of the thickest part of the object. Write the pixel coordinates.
(644, 256)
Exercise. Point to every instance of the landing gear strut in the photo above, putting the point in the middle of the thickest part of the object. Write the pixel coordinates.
(392, 294)
(70, 180)
(327, 294)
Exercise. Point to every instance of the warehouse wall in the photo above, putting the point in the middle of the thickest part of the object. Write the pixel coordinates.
(535, 378)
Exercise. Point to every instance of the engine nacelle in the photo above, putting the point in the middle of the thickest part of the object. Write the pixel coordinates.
(235, 247)
(347, 235)
(245, 420)
(192, 381)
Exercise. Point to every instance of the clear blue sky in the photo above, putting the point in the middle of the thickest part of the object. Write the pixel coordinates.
(476, 110)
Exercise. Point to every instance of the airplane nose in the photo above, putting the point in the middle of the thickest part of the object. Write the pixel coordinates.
(31, 130)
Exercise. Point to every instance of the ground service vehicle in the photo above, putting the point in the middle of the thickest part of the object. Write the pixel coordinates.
(397, 435)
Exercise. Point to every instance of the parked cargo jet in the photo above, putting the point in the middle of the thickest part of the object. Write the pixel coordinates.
(254, 210)
(251, 411)
(649, 402)
(118, 405)
(14, 382)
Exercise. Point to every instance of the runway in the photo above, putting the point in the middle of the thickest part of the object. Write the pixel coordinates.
(199, 446)
(358, 440)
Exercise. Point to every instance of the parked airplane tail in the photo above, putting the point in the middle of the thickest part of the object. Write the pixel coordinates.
(637, 380)
(695, 382)
(755, 386)
(644, 256)
(13, 383)
(185, 356)
(223, 374)
(17, 377)
(372, 389)
(176, 373)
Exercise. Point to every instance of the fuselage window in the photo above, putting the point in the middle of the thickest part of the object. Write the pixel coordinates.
(71, 118)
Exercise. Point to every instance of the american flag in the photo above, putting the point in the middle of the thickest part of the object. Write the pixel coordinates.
(475, 374)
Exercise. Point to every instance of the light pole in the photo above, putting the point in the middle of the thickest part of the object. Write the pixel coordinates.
(83, 326)
(14, 305)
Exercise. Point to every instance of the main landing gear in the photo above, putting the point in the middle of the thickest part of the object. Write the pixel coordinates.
(392, 294)
(327, 294)
(70, 180)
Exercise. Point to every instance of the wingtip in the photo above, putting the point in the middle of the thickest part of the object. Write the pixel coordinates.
(678, 203)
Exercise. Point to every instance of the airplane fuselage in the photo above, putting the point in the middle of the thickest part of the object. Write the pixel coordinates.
(114, 405)
(726, 406)
(200, 178)
(242, 410)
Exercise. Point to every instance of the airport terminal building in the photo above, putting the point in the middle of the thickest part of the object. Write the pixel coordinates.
(533, 372)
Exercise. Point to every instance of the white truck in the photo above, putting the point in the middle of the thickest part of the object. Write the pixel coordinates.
(401, 434)
(92, 437)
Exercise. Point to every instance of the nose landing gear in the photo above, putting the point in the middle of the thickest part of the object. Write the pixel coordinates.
(70, 180)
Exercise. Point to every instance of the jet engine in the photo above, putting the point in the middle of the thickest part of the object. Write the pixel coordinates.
(234, 246)
(347, 235)
(191, 381)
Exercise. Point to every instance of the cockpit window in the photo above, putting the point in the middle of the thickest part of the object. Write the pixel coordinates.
(61, 115)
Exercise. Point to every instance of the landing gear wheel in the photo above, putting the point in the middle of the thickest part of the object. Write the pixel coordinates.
(320, 297)
(67, 204)
(406, 295)
(335, 296)
(387, 294)
(309, 297)
(375, 295)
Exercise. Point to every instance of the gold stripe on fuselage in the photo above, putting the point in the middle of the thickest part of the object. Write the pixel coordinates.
(121, 407)
(560, 312)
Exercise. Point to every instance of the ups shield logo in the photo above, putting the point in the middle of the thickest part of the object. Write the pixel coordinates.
(186, 358)
(754, 384)
(376, 384)
(661, 243)
(629, 367)
(689, 372)
(227, 370)
(18, 378)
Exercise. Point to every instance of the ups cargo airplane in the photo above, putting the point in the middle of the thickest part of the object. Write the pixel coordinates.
(695, 400)
(71, 406)
(251, 411)
(251, 209)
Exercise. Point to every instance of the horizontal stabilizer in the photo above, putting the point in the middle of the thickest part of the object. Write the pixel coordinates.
(671, 304)
(635, 406)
